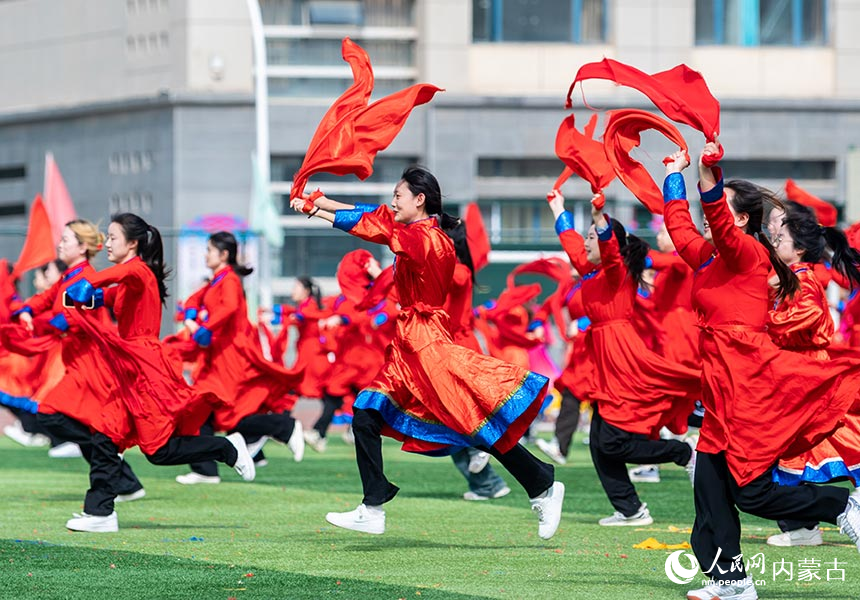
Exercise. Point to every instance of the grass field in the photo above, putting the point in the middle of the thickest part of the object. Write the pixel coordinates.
(269, 539)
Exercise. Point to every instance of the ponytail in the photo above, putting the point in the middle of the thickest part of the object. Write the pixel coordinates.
(844, 258)
(225, 241)
(312, 289)
(633, 252)
(150, 249)
(456, 230)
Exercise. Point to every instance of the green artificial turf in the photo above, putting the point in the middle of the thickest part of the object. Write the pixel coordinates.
(269, 539)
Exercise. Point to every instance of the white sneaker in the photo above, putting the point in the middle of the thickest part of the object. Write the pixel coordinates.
(65, 450)
(849, 521)
(131, 497)
(548, 509)
(691, 466)
(244, 463)
(470, 495)
(643, 517)
(551, 450)
(93, 523)
(15, 432)
(797, 537)
(259, 464)
(478, 461)
(645, 474)
(365, 519)
(741, 590)
(315, 441)
(255, 447)
(296, 443)
(348, 436)
(193, 478)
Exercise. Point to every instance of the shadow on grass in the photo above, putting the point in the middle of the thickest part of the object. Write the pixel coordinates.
(52, 572)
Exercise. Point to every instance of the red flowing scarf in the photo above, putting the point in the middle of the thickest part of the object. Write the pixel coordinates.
(621, 136)
(351, 132)
(583, 155)
(680, 93)
(824, 211)
(476, 236)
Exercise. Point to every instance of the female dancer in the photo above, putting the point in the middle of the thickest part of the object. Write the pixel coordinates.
(232, 365)
(760, 402)
(74, 408)
(431, 390)
(151, 406)
(638, 391)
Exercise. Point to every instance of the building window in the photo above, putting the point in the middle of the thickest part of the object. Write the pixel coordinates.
(761, 22)
(757, 169)
(339, 13)
(13, 171)
(569, 21)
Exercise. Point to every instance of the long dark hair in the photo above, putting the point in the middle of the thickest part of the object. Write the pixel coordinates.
(457, 233)
(421, 181)
(750, 198)
(149, 246)
(633, 251)
(312, 288)
(224, 241)
(816, 240)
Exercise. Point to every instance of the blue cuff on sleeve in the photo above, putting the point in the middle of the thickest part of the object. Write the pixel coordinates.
(582, 323)
(278, 314)
(564, 222)
(534, 325)
(490, 304)
(363, 207)
(649, 262)
(380, 319)
(604, 234)
(674, 187)
(841, 306)
(203, 337)
(345, 220)
(25, 309)
(99, 298)
(713, 194)
(345, 320)
(191, 313)
(81, 291)
(59, 321)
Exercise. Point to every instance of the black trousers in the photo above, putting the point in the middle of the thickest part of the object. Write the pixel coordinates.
(112, 475)
(567, 420)
(532, 474)
(30, 423)
(330, 405)
(278, 426)
(612, 448)
(716, 537)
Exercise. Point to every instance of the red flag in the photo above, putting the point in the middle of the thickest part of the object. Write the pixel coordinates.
(680, 93)
(351, 132)
(824, 211)
(583, 155)
(476, 236)
(58, 202)
(621, 136)
(38, 246)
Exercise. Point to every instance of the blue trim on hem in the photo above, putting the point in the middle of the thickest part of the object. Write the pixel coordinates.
(564, 222)
(20, 402)
(826, 473)
(438, 433)
(674, 188)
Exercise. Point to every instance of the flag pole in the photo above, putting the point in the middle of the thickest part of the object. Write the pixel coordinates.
(261, 106)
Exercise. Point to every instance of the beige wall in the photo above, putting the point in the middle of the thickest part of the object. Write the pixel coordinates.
(59, 53)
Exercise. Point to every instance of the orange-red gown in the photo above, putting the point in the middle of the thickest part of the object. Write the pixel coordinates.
(637, 390)
(233, 366)
(761, 403)
(430, 389)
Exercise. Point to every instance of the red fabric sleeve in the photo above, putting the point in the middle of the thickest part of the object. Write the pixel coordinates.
(44, 302)
(222, 304)
(803, 321)
(689, 243)
(736, 247)
(614, 268)
(127, 273)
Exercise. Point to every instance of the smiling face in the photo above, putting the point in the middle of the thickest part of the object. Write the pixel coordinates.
(592, 248)
(70, 250)
(407, 206)
(119, 249)
(300, 292)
